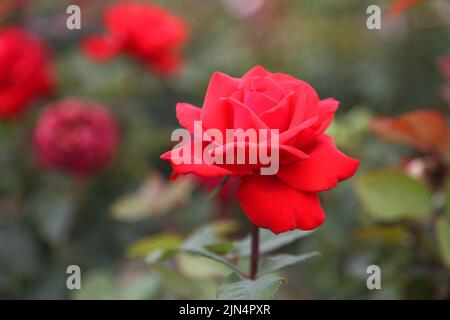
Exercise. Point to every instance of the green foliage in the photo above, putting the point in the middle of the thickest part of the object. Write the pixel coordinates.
(391, 195)
(447, 197)
(205, 242)
(443, 239)
(160, 242)
(275, 263)
(205, 254)
(204, 237)
(235, 288)
(176, 284)
(103, 286)
(221, 248)
(349, 130)
(198, 267)
(268, 241)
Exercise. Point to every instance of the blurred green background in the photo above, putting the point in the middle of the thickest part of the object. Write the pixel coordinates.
(49, 221)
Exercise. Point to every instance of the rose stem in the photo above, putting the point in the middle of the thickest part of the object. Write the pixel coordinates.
(254, 252)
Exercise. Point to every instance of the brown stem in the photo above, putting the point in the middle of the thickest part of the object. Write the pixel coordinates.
(254, 252)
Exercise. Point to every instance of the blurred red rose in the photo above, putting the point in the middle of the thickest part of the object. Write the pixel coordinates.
(399, 6)
(25, 70)
(77, 136)
(145, 31)
(309, 161)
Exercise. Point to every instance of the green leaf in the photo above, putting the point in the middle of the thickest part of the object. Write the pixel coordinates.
(235, 288)
(160, 242)
(269, 241)
(220, 248)
(278, 262)
(198, 242)
(391, 195)
(447, 197)
(202, 237)
(196, 267)
(443, 238)
(205, 242)
(225, 226)
(156, 256)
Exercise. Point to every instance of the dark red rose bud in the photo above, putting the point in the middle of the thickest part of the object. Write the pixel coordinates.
(25, 71)
(77, 136)
(147, 32)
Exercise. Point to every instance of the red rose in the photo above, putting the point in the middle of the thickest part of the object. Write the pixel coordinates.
(309, 160)
(147, 32)
(25, 71)
(77, 136)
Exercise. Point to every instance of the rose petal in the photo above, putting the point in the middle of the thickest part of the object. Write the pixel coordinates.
(187, 114)
(258, 101)
(291, 154)
(327, 109)
(322, 171)
(203, 169)
(286, 153)
(100, 48)
(279, 116)
(270, 203)
(289, 137)
(244, 117)
(267, 85)
(216, 112)
(307, 103)
(256, 71)
(283, 77)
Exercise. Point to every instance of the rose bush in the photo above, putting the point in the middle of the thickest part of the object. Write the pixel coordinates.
(309, 159)
(77, 136)
(145, 31)
(25, 69)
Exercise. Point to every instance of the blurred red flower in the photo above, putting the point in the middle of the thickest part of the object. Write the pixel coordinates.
(25, 69)
(78, 136)
(145, 31)
(309, 161)
(399, 6)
